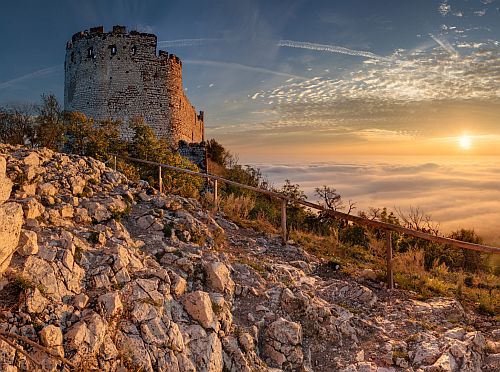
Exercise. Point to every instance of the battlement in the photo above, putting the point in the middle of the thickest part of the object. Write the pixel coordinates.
(98, 31)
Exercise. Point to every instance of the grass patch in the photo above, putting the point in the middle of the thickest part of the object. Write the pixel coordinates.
(254, 265)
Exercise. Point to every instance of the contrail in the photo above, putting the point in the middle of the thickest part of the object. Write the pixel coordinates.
(331, 49)
(242, 67)
(34, 74)
(445, 45)
(184, 42)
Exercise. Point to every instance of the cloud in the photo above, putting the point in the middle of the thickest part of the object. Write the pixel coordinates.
(31, 75)
(456, 194)
(445, 45)
(180, 43)
(444, 8)
(331, 49)
(419, 75)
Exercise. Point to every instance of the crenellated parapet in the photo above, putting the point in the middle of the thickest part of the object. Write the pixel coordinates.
(120, 75)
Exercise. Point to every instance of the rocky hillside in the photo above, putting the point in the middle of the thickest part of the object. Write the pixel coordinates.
(100, 273)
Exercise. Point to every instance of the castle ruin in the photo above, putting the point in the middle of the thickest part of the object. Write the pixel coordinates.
(119, 75)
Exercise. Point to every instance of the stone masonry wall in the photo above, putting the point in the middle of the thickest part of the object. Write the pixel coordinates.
(118, 75)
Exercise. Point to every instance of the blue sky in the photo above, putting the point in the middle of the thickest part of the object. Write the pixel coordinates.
(347, 76)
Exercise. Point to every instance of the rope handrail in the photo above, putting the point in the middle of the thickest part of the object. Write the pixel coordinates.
(356, 219)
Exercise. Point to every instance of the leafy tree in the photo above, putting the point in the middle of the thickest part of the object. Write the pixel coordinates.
(296, 212)
(145, 145)
(471, 261)
(217, 153)
(79, 129)
(17, 125)
(354, 235)
(49, 124)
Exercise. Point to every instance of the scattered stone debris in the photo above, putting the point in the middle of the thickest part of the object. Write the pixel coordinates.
(105, 274)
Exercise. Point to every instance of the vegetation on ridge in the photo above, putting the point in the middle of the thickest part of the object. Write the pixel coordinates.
(426, 268)
(46, 125)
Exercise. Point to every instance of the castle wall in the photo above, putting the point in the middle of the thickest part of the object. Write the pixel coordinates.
(118, 75)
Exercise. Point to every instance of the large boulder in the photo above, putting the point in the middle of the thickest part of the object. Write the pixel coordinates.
(5, 183)
(219, 278)
(283, 344)
(28, 243)
(199, 306)
(11, 217)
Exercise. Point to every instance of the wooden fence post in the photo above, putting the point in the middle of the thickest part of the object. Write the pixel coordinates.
(390, 273)
(114, 158)
(160, 180)
(283, 220)
(216, 196)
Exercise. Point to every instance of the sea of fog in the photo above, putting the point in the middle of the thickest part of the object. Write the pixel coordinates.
(456, 192)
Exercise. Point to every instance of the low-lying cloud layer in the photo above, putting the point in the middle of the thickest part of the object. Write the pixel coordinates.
(457, 194)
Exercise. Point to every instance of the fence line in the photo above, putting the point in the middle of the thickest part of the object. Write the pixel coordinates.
(387, 227)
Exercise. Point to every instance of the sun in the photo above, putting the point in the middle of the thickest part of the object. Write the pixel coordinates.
(464, 142)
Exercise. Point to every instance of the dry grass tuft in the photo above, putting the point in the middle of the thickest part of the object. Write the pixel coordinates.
(238, 207)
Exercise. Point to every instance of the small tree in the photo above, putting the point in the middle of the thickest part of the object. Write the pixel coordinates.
(49, 124)
(471, 261)
(17, 125)
(296, 212)
(217, 153)
(145, 145)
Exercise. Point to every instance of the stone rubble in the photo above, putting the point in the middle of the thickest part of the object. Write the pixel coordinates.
(114, 276)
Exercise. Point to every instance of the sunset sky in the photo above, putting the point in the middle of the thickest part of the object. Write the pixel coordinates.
(297, 86)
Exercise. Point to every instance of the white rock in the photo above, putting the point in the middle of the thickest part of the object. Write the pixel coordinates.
(11, 217)
(35, 302)
(445, 363)
(426, 353)
(5, 182)
(111, 303)
(32, 208)
(206, 349)
(283, 341)
(80, 301)
(199, 307)
(47, 189)
(219, 277)
(97, 211)
(52, 337)
(28, 243)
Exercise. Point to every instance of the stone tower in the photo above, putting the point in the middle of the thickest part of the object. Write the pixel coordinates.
(119, 75)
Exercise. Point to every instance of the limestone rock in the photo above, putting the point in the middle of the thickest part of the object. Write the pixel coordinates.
(36, 302)
(219, 278)
(111, 303)
(206, 349)
(133, 346)
(11, 217)
(28, 243)
(52, 337)
(5, 183)
(445, 362)
(199, 307)
(283, 343)
(47, 189)
(80, 301)
(426, 353)
(97, 211)
(32, 208)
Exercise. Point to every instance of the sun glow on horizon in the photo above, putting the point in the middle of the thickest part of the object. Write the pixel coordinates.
(465, 142)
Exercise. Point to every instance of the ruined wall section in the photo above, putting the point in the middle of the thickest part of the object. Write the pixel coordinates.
(118, 75)
(181, 108)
